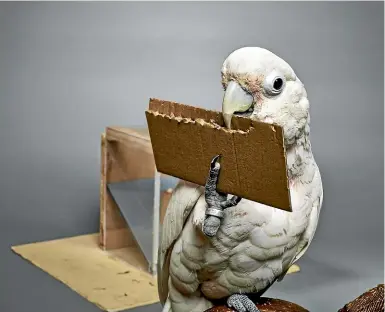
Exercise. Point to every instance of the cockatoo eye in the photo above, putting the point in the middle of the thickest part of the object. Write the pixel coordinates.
(274, 83)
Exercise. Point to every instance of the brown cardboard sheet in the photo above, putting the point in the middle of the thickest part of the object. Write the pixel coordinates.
(102, 277)
(253, 159)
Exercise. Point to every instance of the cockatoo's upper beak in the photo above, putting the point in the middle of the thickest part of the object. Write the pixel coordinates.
(235, 100)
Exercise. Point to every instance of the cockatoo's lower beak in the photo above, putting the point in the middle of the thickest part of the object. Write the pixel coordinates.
(235, 100)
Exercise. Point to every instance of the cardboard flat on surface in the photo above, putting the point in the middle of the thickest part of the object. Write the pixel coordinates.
(253, 163)
(101, 277)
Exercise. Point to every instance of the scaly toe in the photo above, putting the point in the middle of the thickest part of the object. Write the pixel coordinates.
(241, 303)
(235, 302)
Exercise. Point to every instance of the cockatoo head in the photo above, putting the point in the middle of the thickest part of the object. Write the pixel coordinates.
(260, 85)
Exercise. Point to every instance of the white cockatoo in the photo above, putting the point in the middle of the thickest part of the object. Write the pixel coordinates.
(214, 246)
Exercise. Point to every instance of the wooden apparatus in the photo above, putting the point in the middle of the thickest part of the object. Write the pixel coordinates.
(126, 155)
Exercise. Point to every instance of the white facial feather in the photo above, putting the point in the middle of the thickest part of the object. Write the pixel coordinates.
(289, 108)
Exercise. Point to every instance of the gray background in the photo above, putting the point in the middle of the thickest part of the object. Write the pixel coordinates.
(67, 70)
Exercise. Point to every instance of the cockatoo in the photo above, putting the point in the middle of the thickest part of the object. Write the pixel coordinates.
(218, 246)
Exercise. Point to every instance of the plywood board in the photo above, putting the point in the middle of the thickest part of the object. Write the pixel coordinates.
(130, 155)
(253, 164)
(114, 232)
(102, 277)
(126, 154)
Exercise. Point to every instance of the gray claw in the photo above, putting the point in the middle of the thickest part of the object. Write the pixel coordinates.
(233, 201)
(241, 303)
(216, 201)
(214, 161)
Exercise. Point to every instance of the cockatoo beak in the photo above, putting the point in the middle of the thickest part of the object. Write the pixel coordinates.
(235, 100)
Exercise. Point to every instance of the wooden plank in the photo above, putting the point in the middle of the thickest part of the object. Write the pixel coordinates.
(114, 231)
(103, 189)
(133, 131)
(130, 155)
(126, 154)
(165, 199)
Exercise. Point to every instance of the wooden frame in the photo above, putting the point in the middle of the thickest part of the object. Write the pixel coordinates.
(126, 154)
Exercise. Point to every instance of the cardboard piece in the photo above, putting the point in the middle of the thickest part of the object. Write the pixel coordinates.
(110, 279)
(253, 164)
(101, 277)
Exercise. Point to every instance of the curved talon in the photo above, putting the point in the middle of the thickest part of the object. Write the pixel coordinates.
(215, 167)
(233, 201)
(214, 161)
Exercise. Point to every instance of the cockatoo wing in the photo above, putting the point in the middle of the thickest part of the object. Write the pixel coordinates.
(308, 235)
(182, 202)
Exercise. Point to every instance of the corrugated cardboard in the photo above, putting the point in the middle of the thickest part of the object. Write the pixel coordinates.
(253, 162)
(104, 278)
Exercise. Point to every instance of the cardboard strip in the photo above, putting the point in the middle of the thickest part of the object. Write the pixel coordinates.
(253, 163)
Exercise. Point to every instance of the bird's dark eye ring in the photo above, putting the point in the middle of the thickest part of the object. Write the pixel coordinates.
(278, 83)
(274, 83)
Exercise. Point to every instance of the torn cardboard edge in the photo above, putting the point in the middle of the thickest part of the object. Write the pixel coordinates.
(185, 139)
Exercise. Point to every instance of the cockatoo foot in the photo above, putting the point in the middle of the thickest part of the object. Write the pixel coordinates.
(241, 303)
(216, 201)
